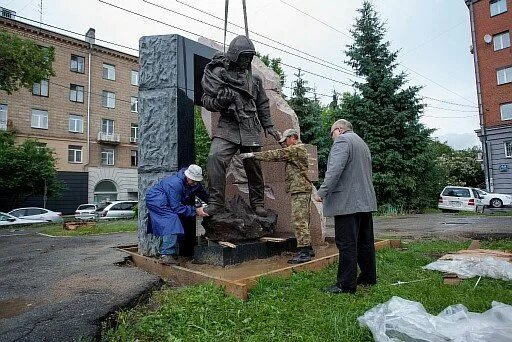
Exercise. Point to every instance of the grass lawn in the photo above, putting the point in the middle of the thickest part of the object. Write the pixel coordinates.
(102, 227)
(297, 309)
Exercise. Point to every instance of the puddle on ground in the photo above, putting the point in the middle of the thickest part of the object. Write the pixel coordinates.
(13, 307)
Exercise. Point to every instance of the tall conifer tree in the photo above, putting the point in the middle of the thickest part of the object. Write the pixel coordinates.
(385, 112)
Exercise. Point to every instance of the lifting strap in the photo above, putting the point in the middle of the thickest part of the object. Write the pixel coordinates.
(226, 9)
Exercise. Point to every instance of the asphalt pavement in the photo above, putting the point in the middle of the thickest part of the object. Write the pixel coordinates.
(60, 289)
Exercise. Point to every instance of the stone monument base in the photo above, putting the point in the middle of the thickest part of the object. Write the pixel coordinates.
(213, 253)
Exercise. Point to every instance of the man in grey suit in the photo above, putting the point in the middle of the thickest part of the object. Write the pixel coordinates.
(347, 194)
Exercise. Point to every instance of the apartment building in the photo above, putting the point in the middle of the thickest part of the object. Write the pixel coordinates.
(491, 27)
(86, 113)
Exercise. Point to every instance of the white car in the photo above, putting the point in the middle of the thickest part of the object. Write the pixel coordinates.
(494, 200)
(86, 211)
(9, 220)
(117, 209)
(40, 214)
(459, 198)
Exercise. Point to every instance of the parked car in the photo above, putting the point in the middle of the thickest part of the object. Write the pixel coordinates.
(9, 220)
(495, 200)
(40, 214)
(86, 211)
(117, 209)
(459, 198)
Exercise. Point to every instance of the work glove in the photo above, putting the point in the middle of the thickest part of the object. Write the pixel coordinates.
(246, 155)
(272, 131)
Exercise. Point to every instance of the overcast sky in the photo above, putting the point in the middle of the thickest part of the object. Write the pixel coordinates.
(433, 38)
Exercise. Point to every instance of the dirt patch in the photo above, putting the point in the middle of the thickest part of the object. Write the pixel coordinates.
(14, 307)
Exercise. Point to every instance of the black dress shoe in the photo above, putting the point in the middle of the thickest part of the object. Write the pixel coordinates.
(364, 282)
(337, 290)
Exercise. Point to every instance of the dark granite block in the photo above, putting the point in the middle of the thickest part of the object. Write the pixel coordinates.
(215, 254)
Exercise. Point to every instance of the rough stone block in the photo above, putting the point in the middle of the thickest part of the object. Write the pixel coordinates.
(158, 62)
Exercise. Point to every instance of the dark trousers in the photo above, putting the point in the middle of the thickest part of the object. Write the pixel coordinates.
(221, 153)
(354, 238)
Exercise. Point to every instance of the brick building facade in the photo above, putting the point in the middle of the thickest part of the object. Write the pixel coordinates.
(87, 113)
(491, 27)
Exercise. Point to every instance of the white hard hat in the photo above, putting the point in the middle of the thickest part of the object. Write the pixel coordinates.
(194, 172)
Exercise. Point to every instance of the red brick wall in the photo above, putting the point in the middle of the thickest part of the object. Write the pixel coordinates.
(489, 60)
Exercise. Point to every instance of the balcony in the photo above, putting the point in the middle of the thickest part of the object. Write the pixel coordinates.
(107, 138)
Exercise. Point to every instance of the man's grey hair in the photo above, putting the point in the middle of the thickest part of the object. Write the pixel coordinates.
(341, 123)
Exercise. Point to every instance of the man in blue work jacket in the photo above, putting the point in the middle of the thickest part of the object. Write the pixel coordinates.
(165, 208)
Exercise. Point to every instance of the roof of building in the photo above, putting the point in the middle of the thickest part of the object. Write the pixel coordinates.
(16, 24)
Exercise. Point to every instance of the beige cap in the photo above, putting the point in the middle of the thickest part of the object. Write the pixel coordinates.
(194, 172)
(288, 133)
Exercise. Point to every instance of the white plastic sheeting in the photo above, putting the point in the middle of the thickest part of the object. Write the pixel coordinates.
(403, 320)
(466, 266)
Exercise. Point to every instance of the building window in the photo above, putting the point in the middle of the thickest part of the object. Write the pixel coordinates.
(107, 156)
(134, 136)
(109, 71)
(74, 154)
(39, 119)
(76, 93)
(134, 104)
(508, 149)
(135, 158)
(498, 7)
(501, 41)
(77, 64)
(504, 75)
(506, 111)
(3, 117)
(107, 126)
(41, 88)
(135, 78)
(108, 99)
(76, 123)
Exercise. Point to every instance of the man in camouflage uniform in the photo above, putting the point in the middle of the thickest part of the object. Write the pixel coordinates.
(297, 184)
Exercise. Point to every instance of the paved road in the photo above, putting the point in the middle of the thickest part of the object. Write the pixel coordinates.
(441, 226)
(59, 289)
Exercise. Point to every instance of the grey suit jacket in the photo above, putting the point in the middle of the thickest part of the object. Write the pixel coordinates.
(348, 186)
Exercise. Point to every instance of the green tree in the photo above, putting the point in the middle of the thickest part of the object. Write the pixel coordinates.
(274, 64)
(23, 63)
(310, 115)
(462, 168)
(25, 171)
(386, 112)
(202, 140)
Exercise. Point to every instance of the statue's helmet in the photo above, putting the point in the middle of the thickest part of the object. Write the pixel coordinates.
(239, 45)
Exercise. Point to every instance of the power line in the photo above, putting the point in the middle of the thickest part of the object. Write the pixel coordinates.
(73, 32)
(449, 102)
(337, 67)
(316, 19)
(425, 77)
(253, 32)
(285, 64)
(453, 110)
(448, 117)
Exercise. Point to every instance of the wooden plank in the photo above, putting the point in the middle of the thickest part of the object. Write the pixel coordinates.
(310, 265)
(227, 244)
(271, 239)
(184, 276)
